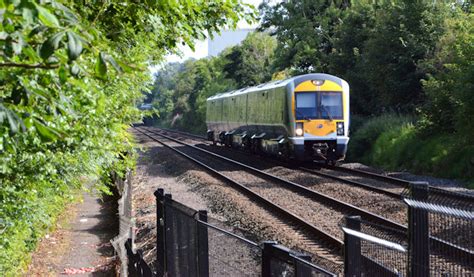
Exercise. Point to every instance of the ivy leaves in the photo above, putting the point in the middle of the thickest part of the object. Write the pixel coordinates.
(50, 45)
(74, 45)
(101, 65)
(46, 17)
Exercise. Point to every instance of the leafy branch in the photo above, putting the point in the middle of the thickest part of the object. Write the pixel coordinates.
(30, 66)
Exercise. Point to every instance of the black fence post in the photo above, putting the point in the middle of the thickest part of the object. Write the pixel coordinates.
(418, 233)
(352, 249)
(160, 232)
(143, 269)
(301, 269)
(171, 246)
(203, 247)
(267, 252)
(132, 270)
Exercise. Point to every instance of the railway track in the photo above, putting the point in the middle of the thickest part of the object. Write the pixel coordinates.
(314, 240)
(397, 187)
(314, 195)
(344, 207)
(434, 191)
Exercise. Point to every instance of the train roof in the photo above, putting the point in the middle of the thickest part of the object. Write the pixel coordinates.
(279, 83)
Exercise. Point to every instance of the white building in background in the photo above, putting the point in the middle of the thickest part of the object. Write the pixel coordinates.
(227, 38)
(211, 48)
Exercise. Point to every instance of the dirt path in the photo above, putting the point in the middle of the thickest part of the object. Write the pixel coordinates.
(80, 245)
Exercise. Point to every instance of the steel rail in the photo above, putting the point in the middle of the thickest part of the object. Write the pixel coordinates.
(184, 133)
(314, 172)
(352, 182)
(404, 183)
(336, 203)
(317, 196)
(327, 239)
(378, 219)
(389, 179)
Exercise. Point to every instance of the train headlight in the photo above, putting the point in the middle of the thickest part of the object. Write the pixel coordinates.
(318, 82)
(340, 128)
(299, 129)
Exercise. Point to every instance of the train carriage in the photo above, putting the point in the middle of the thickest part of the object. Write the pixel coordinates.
(305, 117)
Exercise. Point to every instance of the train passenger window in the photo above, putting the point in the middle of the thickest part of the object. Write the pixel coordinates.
(331, 105)
(306, 105)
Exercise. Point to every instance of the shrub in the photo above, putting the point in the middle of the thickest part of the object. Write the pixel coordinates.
(363, 138)
(394, 143)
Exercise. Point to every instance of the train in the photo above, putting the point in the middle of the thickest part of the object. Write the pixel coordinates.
(305, 118)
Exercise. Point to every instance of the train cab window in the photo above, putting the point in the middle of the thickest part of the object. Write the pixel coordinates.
(331, 105)
(319, 105)
(306, 105)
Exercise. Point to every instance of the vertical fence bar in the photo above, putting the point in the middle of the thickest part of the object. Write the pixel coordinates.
(418, 233)
(203, 245)
(170, 236)
(301, 270)
(132, 270)
(182, 244)
(143, 269)
(160, 233)
(267, 258)
(352, 249)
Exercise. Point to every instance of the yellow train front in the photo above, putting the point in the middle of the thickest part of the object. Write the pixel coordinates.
(304, 117)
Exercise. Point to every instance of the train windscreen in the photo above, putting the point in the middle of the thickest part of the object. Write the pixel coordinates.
(318, 105)
(306, 104)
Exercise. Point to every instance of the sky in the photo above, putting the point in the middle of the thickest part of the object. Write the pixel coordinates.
(201, 46)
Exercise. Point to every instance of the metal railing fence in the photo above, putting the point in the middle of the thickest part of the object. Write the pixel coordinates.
(441, 234)
(369, 255)
(439, 240)
(188, 245)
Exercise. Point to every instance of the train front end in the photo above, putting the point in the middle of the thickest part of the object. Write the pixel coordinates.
(320, 117)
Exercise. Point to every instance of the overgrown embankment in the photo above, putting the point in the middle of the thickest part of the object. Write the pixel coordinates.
(72, 75)
(396, 142)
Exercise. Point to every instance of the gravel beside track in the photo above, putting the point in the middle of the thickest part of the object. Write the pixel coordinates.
(369, 181)
(323, 212)
(300, 205)
(380, 204)
(389, 207)
(236, 209)
(447, 184)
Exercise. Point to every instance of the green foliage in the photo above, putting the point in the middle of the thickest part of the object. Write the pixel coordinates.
(450, 105)
(305, 32)
(366, 131)
(394, 143)
(249, 63)
(404, 34)
(376, 47)
(180, 91)
(346, 58)
(72, 76)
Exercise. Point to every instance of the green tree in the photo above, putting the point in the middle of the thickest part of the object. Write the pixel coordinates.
(72, 75)
(249, 63)
(405, 33)
(304, 30)
(450, 86)
(162, 92)
(181, 93)
(345, 60)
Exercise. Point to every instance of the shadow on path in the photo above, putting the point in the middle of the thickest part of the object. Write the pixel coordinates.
(80, 244)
